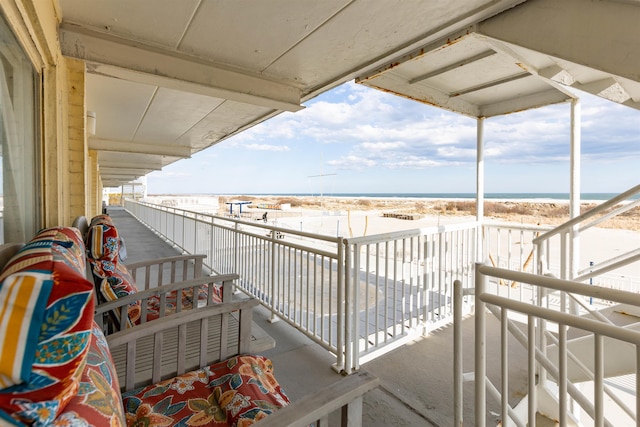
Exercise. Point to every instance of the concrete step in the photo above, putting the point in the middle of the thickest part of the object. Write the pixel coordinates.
(619, 356)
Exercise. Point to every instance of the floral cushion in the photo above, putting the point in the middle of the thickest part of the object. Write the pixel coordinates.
(236, 392)
(98, 402)
(45, 321)
(111, 277)
(170, 307)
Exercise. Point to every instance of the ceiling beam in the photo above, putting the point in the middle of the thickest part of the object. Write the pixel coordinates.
(521, 103)
(490, 84)
(141, 148)
(126, 178)
(451, 67)
(113, 56)
(417, 47)
(146, 165)
(112, 184)
(124, 171)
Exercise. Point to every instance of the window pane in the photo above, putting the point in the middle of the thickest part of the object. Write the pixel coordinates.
(19, 210)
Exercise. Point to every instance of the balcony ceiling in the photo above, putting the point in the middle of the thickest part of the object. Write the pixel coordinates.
(169, 78)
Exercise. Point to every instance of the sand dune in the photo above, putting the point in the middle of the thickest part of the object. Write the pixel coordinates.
(549, 212)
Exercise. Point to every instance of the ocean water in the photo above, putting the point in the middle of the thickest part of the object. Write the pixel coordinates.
(500, 196)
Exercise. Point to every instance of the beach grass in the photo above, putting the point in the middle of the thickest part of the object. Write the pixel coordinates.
(521, 211)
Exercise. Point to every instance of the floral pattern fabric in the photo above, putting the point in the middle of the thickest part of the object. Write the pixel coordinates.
(51, 380)
(113, 280)
(98, 401)
(111, 277)
(154, 304)
(236, 392)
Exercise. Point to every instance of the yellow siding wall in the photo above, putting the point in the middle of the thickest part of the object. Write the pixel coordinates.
(95, 186)
(77, 140)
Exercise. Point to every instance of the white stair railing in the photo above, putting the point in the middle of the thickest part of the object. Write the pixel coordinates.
(557, 370)
(604, 211)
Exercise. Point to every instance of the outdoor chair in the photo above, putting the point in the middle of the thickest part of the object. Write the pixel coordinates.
(58, 369)
(144, 291)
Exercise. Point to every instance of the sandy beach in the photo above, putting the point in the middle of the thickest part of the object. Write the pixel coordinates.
(355, 217)
(433, 211)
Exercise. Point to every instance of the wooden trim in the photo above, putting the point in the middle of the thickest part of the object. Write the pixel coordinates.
(343, 394)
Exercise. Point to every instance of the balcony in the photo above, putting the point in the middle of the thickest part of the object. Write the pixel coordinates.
(404, 285)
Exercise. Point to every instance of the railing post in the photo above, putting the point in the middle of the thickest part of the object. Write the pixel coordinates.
(480, 350)
(457, 354)
(236, 254)
(348, 363)
(273, 278)
(212, 260)
(355, 308)
(343, 272)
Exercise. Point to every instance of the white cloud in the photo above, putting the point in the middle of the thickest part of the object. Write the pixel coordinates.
(266, 147)
(169, 174)
(378, 134)
(414, 163)
(352, 163)
(382, 146)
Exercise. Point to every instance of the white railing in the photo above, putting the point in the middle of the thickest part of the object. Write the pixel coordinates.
(356, 297)
(543, 369)
(296, 275)
(567, 233)
(402, 284)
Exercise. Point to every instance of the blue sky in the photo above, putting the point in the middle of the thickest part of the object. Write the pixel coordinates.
(368, 141)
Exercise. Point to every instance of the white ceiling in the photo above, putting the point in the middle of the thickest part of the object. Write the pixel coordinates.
(168, 78)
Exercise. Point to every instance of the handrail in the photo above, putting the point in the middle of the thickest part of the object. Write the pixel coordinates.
(499, 305)
(609, 265)
(396, 235)
(165, 260)
(593, 212)
(172, 287)
(593, 291)
(622, 209)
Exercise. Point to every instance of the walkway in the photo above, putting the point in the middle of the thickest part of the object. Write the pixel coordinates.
(416, 379)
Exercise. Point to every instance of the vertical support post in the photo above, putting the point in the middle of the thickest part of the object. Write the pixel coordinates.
(274, 300)
(598, 381)
(457, 354)
(479, 187)
(637, 386)
(351, 413)
(348, 362)
(563, 396)
(574, 208)
(342, 279)
(355, 306)
(504, 366)
(531, 363)
(236, 247)
(480, 350)
(212, 258)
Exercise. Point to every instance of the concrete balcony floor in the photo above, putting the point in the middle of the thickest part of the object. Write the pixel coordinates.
(416, 379)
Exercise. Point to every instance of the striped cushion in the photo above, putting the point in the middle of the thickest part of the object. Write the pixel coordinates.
(43, 289)
(111, 277)
(23, 298)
